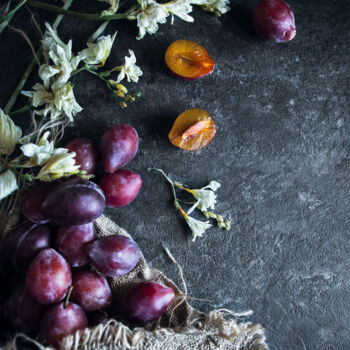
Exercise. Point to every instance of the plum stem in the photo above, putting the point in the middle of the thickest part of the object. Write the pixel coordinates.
(68, 296)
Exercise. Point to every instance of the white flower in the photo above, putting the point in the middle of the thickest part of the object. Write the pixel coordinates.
(46, 72)
(197, 227)
(8, 184)
(114, 4)
(150, 15)
(179, 8)
(10, 133)
(60, 100)
(39, 153)
(60, 164)
(130, 69)
(206, 198)
(97, 53)
(218, 6)
(61, 54)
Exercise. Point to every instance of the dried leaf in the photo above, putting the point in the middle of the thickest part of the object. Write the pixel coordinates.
(8, 184)
(10, 133)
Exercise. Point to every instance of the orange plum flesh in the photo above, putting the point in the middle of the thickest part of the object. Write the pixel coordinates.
(193, 130)
(188, 60)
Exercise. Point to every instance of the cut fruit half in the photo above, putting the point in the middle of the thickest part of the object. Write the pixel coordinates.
(193, 130)
(188, 60)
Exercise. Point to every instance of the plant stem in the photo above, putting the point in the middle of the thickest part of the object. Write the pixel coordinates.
(101, 77)
(31, 66)
(5, 23)
(63, 11)
(24, 109)
(68, 296)
(11, 13)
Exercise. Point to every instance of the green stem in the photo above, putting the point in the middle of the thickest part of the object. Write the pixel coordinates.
(68, 296)
(11, 13)
(101, 77)
(31, 66)
(24, 109)
(4, 24)
(87, 16)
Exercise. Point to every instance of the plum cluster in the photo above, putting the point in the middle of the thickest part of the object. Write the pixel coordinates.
(57, 293)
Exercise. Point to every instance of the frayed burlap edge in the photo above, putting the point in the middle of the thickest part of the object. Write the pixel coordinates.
(181, 328)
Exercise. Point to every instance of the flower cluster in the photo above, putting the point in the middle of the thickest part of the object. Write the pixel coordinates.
(151, 13)
(55, 93)
(205, 199)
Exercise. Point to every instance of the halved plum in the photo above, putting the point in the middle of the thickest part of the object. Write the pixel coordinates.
(193, 130)
(188, 60)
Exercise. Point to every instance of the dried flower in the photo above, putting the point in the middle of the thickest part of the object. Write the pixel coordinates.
(149, 17)
(60, 100)
(10, 133)
(114, 4)
(219, 7)
(129, 69)
(205, 196)
(8, 183)
(179, 8)
(197, 227)
(97, 53)
(55, 162)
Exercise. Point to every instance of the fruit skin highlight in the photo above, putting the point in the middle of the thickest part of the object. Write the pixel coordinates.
(188, 60)
(273, 20)
(193, 130)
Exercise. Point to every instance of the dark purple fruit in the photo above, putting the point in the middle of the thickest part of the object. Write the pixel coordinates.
(70, 243)
(273, 20)
(49, 277)
(114, 255)
(60, 321)
(33, 201)
(118, 146)
(74, 202)
(86, 154)
(23, 311)
(147, 301)
(91, 290)
(120, 188)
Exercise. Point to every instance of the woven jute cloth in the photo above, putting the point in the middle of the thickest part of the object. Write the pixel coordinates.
(180, 328)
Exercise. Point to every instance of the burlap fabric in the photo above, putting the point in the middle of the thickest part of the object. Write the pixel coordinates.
(180, 328)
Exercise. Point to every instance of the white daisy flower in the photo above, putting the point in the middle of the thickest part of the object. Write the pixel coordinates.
(130, 70)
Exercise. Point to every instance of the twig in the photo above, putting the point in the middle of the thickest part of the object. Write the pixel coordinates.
(87, 16)
(31, 66)
(25, 36)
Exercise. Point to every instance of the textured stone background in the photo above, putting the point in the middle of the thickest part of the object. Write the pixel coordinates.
(282, 154)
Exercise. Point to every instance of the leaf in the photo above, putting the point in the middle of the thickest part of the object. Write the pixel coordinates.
(8, 184)
(10, 133)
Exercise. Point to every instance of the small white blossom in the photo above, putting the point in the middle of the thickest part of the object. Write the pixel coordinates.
(39, 153)
(114, 4)
(149, 17)
(60, 100)
(197, 227)
(217, 6)
(179, 8)
(129, 70)
(97, 53)
(10, 133)
(46, 72)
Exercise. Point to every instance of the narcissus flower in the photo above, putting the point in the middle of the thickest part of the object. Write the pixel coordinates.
(218, 7)
(130, 70)
(97, 53)
(114, 4)
(8, 183)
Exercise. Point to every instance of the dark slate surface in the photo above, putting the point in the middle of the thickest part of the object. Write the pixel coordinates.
(282, 154)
